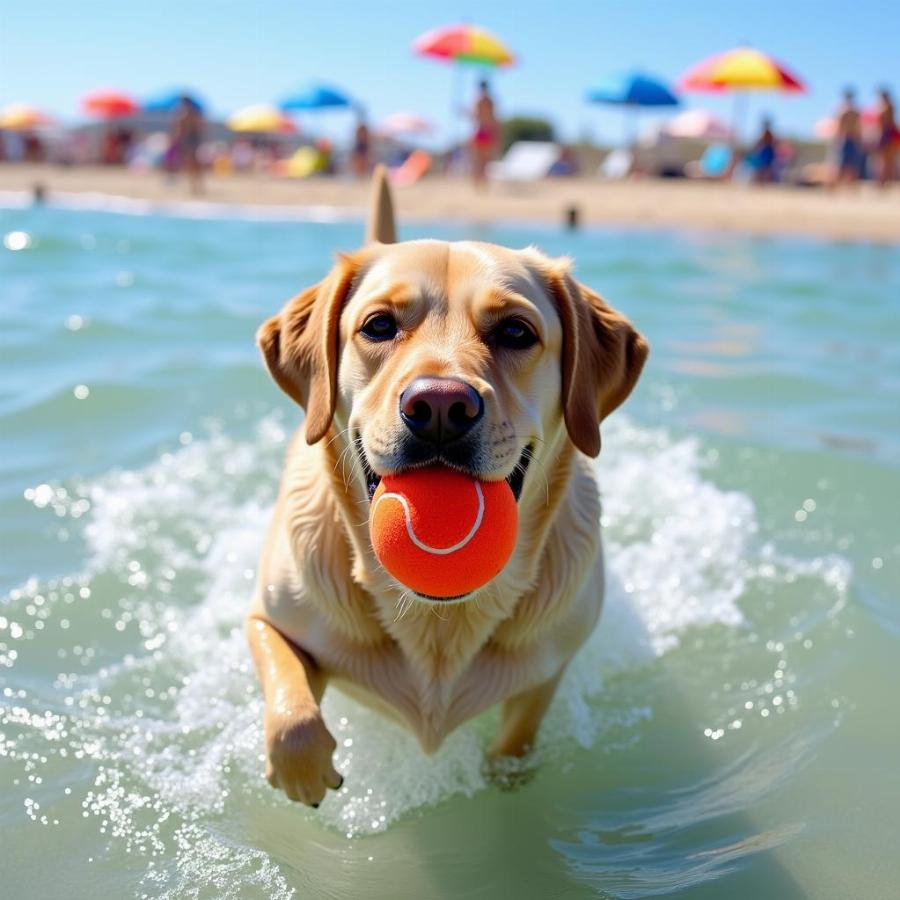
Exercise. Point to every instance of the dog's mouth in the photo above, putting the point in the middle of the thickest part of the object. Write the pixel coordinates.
(515, 479)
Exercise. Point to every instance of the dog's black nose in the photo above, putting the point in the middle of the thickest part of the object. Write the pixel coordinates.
(439, 410)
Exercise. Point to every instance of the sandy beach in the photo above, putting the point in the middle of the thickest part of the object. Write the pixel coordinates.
(863, 213)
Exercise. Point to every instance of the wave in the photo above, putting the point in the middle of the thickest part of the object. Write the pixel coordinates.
(95, 201)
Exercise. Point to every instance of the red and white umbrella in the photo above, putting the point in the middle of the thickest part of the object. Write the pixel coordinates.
(400, 124)
(698, 125)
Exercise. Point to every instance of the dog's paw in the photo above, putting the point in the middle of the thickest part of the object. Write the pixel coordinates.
(509, 773)
(299, 750)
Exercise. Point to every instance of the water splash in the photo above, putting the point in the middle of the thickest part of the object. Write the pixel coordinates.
(157, 698)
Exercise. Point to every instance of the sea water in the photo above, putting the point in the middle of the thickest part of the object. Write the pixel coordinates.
(731, 729)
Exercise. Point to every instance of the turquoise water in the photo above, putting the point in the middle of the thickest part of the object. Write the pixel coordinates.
(732, 728)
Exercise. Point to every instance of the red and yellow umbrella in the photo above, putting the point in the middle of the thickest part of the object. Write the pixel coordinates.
(741, 69)
(108, 104)
(22, 117)
(464, 43)
(261, 118)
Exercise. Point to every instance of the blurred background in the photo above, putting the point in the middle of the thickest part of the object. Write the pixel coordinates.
(726, 175)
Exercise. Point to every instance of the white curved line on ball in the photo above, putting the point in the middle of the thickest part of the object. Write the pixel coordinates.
(437, 551)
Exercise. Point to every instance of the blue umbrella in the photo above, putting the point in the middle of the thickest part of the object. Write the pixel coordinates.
(633, 89)
(316, 96)
(169, 101)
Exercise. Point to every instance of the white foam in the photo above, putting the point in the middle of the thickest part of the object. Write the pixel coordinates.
(96, 201)
(680, 553)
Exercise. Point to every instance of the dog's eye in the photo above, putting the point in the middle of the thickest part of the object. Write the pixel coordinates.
(380, 327)
(514, 334)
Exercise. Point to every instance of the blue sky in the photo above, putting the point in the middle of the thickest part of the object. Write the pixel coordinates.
(234, 53)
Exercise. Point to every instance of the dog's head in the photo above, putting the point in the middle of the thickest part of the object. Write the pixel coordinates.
(463, 354)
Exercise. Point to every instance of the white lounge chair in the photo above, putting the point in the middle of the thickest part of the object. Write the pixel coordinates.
(617, 165)
(525, 161)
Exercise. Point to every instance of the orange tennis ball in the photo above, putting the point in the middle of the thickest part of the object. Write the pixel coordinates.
(440, 532)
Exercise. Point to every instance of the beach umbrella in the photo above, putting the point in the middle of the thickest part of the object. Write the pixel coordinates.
(169, 101)
(109, 104)
(399, 124)
(23, 117)
(826, 128)
(316, 96)
(698, 125)
(260, 118)
(739, 71)
(632, 91)
(466, 44)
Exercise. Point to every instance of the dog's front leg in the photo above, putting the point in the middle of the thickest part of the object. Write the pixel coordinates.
(522, 716)
(299, 746)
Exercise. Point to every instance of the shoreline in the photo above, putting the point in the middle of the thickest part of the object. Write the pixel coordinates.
(860, 214)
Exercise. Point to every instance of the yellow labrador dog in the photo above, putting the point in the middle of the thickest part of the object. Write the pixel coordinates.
(493, 361)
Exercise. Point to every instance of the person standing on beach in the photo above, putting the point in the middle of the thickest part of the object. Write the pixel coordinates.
(186, 137)
(486, 135)
(763, 155)
(849, 141)
(888, 138)
(360, 156)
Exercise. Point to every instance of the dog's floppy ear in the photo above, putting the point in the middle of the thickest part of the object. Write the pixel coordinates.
(602, 357)
(300, 346)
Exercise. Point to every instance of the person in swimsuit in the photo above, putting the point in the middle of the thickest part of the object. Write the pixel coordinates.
(764, 154)
(487, 133)
(848, 141)
(359, 158)
(186, 137)
(888, 138)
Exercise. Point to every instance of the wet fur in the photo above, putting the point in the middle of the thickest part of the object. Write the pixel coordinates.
(324, 610)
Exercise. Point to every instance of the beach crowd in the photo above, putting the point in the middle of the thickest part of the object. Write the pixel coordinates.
(855, 143)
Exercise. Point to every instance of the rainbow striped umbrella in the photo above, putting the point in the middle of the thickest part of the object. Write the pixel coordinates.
(741, 69)
(464, 44)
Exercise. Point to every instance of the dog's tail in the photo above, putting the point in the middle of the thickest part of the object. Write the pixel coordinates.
(381, 225)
